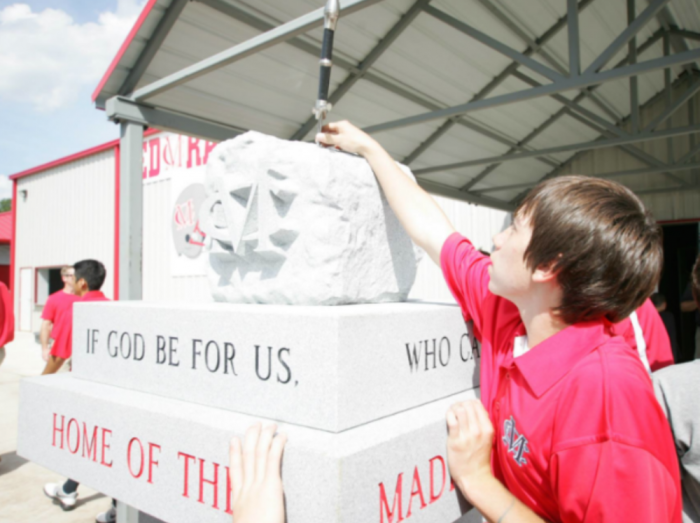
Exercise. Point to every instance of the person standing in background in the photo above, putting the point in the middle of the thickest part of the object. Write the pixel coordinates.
(688, 304)
(56, 306)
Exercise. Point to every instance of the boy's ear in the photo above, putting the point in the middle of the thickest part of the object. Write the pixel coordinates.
(546, 272)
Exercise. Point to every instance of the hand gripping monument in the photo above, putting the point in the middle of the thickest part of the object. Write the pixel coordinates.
(313, 270)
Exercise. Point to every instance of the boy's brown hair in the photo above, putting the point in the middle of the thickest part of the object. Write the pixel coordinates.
(604, 246)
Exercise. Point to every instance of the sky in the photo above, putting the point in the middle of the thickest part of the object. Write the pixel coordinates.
(53, 54)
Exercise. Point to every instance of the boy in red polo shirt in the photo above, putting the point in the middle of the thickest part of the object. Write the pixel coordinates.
(567, 428)
(89, 275)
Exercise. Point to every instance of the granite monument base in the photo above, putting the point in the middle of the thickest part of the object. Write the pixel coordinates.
(169, 458)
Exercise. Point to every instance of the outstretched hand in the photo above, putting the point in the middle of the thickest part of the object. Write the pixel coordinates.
(469, 444)
(256, 483)
(346, 137)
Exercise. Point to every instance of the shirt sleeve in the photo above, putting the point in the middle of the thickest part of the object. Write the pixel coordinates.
(658, 343)
(49, 312)
(613, 481)
(466, 272)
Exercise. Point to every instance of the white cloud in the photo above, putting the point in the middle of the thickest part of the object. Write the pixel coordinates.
(47, 57)
(5, 187)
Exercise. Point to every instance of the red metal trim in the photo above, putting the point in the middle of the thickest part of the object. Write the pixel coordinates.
(76, 156)
(678, 222)
(134, 30)
(117, 174)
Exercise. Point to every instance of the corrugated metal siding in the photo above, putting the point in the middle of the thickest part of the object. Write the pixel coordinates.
(68, 215)
(682, 204)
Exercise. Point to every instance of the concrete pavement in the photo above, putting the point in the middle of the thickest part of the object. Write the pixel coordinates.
(21, 482)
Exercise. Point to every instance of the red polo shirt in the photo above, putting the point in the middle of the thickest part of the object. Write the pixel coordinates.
(654, 344)
(56, 305)
(63, 330)
(579, 436)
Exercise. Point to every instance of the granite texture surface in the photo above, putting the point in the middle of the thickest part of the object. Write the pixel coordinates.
(329, 368)
(289, 222)
(168, 458)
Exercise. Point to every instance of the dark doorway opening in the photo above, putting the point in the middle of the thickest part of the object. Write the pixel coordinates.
(680, 251)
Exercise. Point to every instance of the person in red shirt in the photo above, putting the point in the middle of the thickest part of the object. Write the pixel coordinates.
(89, 277)
(567, 428)
(55, 306)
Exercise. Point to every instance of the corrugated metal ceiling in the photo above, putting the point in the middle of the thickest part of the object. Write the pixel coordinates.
(437, 65)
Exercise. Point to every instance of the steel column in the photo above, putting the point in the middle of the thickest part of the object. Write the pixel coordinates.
(626, 35)
(130, 211)
(574, 51)
(365, 65)
(669, 97)
(693, 88)
(454, 193)
(254, 45)
(595, 144)
(683, 33)
(634, 85)
(528, 94)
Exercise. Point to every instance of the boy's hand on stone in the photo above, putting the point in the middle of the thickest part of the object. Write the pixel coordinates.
(469, 445)
(256, 484)
(346, 137)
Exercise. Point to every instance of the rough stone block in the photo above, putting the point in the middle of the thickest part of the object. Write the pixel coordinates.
(294, 223)
(168, 458)
(330, 368)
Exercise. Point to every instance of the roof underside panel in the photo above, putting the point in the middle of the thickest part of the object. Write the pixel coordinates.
(431, 65)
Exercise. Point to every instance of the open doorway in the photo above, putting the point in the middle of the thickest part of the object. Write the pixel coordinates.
(48, 281)
(680, 250)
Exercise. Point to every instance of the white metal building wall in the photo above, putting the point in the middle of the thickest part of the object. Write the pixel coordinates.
(678, 205)
(67, 215)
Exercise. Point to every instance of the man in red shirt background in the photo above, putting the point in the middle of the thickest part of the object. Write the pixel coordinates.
(89, 277)
(56, 305)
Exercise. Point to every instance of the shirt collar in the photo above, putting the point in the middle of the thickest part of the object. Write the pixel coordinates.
(93, 295)
(548, 362)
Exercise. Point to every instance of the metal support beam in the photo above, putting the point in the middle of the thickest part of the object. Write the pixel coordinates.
(120, 109)
(254, 45)
(166, 23)
(693, 88)
(566, 84)
(626, 35)
(130, 211)
(595, 144)
(452, 192)
(494, 44)
(380, 81)
(574, 50)
(634, 85)
(613, 174)
(590, 119)
(669, 97)
(532, 48)
(667, 190)
(368, 62)
(683, 33)
(678, 43)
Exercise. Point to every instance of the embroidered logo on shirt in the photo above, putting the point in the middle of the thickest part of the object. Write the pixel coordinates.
(517, 443)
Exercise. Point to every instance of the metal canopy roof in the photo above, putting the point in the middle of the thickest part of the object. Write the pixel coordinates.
(474, 95)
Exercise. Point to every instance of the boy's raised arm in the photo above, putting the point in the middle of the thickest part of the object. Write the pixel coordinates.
(417, 211)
